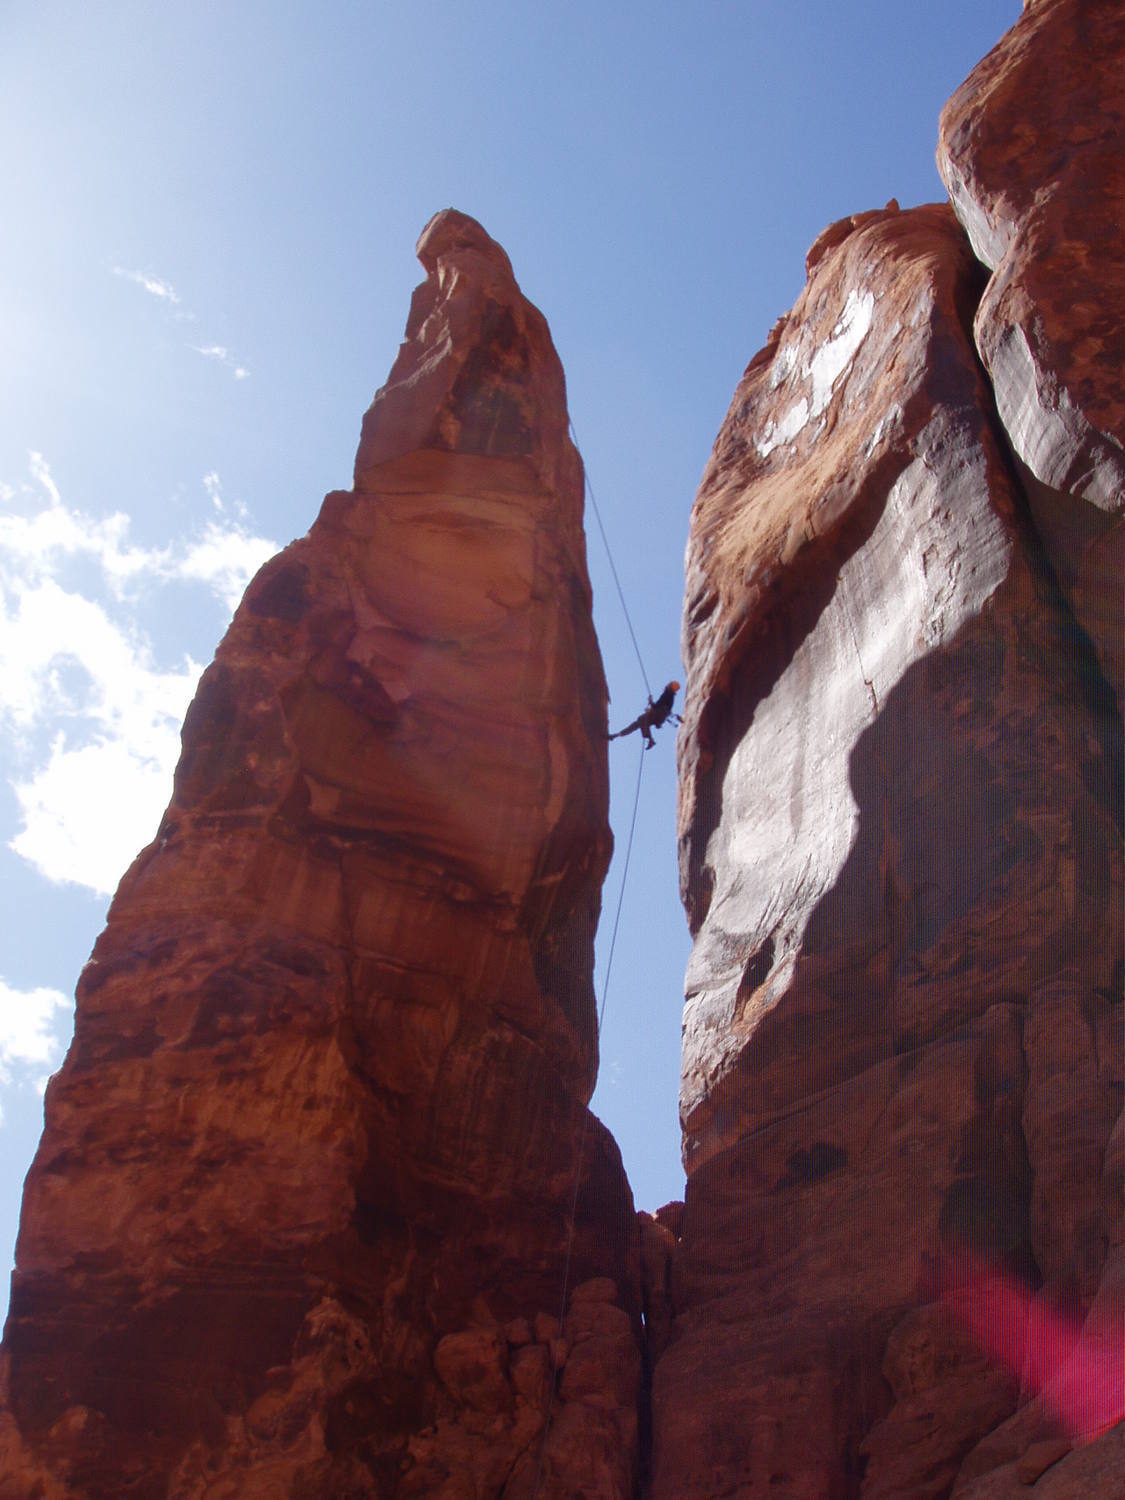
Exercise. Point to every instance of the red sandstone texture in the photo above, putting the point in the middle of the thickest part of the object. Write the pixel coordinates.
(297, 1224)
(901, 855)
(902, 1266)
(298, 1220)
(1032, 150)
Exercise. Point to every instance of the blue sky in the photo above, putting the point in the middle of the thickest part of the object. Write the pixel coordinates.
(204, 276)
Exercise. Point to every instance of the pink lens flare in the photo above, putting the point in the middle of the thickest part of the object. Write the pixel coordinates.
(1076, 1367)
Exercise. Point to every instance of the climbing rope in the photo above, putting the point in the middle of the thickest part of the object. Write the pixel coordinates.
(585, 1123)
(612, 566)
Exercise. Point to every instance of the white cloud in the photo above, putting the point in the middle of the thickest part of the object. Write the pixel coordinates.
(31, 547)
(89, 810)
(87, 713)
(63, 657)
(154, 285)
(225, 558)
(224, 357)
(165, 292)
(31, 1026)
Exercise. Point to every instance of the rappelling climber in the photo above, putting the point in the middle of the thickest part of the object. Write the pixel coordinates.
(654, 716)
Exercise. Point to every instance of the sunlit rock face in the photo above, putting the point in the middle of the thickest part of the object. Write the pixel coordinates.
(901, 858)
(1032, 150)
(297, 1225)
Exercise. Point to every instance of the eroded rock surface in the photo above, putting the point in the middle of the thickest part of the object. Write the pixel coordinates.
(298, 1220)
(901, 857)
(1032, 150)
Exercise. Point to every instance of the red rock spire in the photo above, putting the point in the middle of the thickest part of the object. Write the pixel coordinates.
(298, 1219)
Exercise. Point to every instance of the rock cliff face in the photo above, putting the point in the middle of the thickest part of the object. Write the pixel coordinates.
(1031, 152)
(298, 1222)
(901, 839)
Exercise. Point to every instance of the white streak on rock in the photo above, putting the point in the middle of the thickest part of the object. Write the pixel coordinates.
(833, 358)
(779, 433)
(825, 367)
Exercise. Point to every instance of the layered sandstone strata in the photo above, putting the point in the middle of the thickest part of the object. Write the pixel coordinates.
(298, 1222)
(901, 856)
